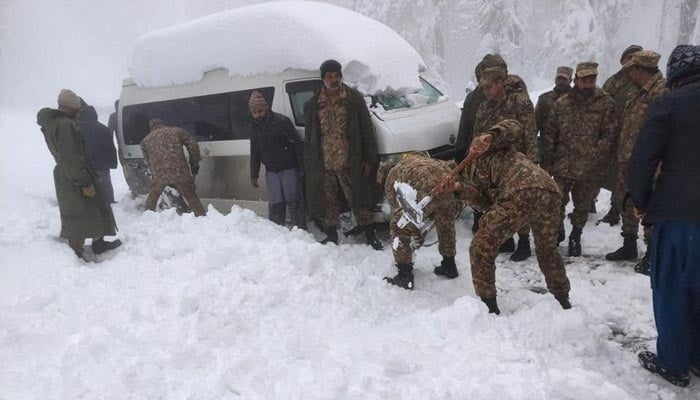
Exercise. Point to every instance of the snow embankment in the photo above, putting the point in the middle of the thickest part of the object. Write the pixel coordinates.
(272, 37)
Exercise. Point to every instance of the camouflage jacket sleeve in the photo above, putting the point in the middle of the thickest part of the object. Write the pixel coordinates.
(608, 130)
(192, 146)
(472, 191)
(551, 137)
(70, 147)
(526, 116)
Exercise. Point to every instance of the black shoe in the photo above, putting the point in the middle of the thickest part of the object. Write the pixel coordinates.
(644, 265)
(628, 251)
(575, 242)
(651, 363)
(612, 218)
(564, 301)
(404, 278)
(100, 246)
(696, 370)
(447, 268)
(508, 246)
(372, 240)
(523, 251)
(593, 209)
(331, 236)
(492, 305)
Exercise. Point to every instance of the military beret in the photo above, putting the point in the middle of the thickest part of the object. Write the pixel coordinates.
(630, 50)
(492, 74)
(586, 69)
(644, 58)
(564, 72)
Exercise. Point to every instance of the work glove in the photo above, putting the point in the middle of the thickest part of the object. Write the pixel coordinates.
(88, 191)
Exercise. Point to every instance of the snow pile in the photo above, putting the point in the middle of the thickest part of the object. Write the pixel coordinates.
(272, 37)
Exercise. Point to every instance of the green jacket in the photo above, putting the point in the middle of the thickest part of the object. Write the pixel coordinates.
(362, 144)
(81, 217)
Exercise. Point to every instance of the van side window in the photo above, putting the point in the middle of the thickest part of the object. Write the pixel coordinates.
(215, 117)
(299, 94)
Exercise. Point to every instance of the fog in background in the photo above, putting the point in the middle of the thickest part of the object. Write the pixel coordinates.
(46, 45)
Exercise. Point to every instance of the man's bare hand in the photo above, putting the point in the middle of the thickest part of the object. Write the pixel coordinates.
(639, 213)
(481, 144)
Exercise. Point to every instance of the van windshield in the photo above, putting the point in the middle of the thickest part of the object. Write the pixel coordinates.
(428, 94)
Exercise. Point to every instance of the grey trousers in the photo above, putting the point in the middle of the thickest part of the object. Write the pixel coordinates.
(284, 191)
(106, 181)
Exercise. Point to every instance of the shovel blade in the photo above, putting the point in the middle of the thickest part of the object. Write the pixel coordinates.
(412, 211)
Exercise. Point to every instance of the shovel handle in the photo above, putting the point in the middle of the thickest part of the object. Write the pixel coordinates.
(456, 170)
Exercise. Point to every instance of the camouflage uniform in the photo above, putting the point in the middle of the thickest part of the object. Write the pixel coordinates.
(635, 112)
(514, 192)
(579, 138)
(162, 151)
(333, 118)
(423, 174)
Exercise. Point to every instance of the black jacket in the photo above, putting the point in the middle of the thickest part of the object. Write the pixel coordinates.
(100, 150)
(275, 143)
(670, 136)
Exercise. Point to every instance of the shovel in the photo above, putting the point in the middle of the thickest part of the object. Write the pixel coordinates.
(406, 194)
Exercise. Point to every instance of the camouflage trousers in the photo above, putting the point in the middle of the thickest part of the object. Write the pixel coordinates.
(530, 207)
(582, 192)
(333, 183)
(630, 223)
(405, 240)
(186, 189)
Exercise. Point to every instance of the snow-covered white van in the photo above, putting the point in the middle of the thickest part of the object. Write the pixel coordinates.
(199, 76)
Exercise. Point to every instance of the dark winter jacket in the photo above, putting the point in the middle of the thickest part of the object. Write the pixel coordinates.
(101, 153)
(81, 217)
(670, 136)
(275, 143)
(465, 133)
(362, 148)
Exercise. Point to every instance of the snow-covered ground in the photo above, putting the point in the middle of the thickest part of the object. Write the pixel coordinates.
(232, 306)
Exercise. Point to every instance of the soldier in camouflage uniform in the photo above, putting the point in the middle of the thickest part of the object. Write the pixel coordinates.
(423, 174)
(501, 104)
(162, 151)
(620, 88)
(562, 85)
(515, 192)
(579, 137)
(642, 70)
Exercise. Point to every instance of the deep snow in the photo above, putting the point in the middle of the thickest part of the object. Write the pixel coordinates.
(227, 307)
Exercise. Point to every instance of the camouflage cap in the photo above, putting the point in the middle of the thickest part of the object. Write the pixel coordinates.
(492, 74)
(586, 69)
(494, 60)
(630, 50)
(564, 72)
(154, 123)
(510, 133)
(644, 58)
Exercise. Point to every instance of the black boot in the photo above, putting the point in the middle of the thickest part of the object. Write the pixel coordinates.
(575, 242)
(696, 370)
(612, 218)
(561, 236)
(331, 236)
(99, 246)
(593, 209)
(651, 363)
(644, 265)
(404, 278)
(508, 246)
(628, 251)
(564, 301)
(492, 305)
(372, 240)
(447, 268)
(477, 218)
(523, 251)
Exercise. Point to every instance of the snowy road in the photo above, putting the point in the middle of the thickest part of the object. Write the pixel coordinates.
(228, 307)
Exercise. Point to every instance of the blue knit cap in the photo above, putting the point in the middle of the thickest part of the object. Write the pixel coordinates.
(683, 62)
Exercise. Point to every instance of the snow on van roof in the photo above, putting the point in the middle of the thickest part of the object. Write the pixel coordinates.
(273, 37)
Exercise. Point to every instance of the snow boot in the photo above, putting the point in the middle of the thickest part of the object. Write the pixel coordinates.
(372, 240)
(523, 251)
(575, 242)
(644, 265)
(564, 301)
(331, 236)
(628, 251)
(651, 363)
(404, 278)
(477, 218)
(492, 305)
(612, 218)
(593, 209)
(508, 246)
(100, 246)
(447, 268)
